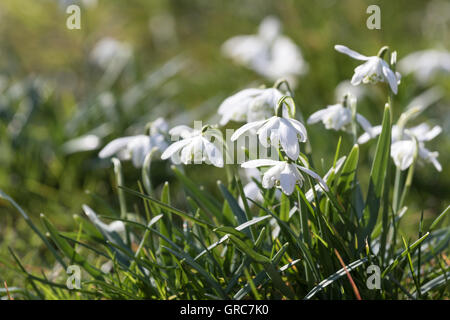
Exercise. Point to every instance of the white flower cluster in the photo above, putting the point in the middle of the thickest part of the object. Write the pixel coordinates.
(269, 114)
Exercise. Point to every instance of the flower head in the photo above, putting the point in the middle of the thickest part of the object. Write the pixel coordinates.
(249, 105)
(196, 146)
(283, 174)
(338, 117)
(137, 147)
(407, 142)
(276, 131)
(374, 70)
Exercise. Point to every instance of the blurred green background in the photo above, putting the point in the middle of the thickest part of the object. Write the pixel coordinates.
(51, 93)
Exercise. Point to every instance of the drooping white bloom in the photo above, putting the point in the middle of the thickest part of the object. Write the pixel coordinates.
(137, 147)
(249, 105)
(374, 70)
(84, 143)
(268, 53)
(283, 174)
(196, 146)
(426, 64)
(404, 145)
(338, 117)
(402, 153)
(422, 132)
(275, 131)
(110, 51)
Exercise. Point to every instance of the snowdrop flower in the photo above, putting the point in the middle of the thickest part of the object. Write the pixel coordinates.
(283, 174)
(249, 105)
(374, 70)
(137, 147)
(426, 64)
(275, 131)
(195, 146)
(338, 117)
(407, 142)
(403, 153)
(422, 132)
(108, 51)
(268, 53)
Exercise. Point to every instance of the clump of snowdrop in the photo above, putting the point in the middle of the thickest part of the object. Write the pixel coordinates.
(268, 53)
(196, 146)
(374, 70)
(136, 148)
(278, 130)
(426, 65)
(338, 117)
(249, 105)
(283, 174)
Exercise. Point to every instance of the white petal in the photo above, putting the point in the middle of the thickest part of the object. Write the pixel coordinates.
(272, 175)
(315, 176)
(390, 76)
(430, 135)
(269, 127)
(402, 153)
(175, 147)
(375, 131)
(244, 128)
(181, 131)
(139, 148)
(365, 124)
(260, 163)
(360, 73)
(301, 130)
(287, 181)
(349, 52)
(288, 139)
(317, 116)
(214, 153)
(114, 146)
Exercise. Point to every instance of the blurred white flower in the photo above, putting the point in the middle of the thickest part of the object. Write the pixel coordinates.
(426, 64)
(109, 51)
(268, 53)
(338, 117)
(137, 147)
(405, 143)
(345, 87)
(374, 70)
(283, 174)
(403, 152)
(196, 147)
(275, 131)
(249, 105)
(86, 142)
(421, 132)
